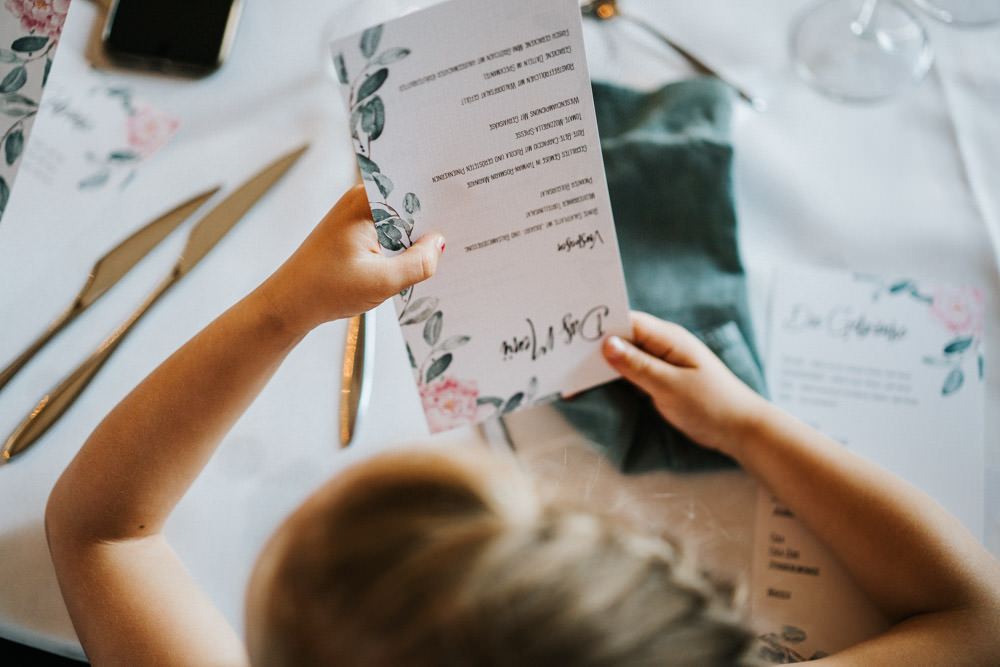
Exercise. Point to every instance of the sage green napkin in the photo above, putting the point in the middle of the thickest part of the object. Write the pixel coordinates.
(668, 159)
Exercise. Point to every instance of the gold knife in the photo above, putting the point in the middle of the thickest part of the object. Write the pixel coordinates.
(202, 238)
(355, 378)
(107, 271)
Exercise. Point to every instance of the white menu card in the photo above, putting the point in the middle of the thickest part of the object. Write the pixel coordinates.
(476, 119)
(893, 369)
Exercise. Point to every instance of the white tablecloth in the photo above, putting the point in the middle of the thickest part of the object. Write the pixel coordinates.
(909, 187)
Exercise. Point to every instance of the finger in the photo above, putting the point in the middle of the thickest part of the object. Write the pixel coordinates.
(637, 366)
(416, 263)
(666, 340)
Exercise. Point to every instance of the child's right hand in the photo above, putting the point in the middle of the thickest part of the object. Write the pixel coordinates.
(340, 271)
(689, 385)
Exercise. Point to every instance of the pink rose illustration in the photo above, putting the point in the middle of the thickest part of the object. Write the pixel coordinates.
(149, 128)
(41, 17)
(960, 309)
(449, 402)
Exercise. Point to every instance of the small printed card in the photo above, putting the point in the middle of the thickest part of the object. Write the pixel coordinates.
(91, 135)
(892, 369)
(476, 119)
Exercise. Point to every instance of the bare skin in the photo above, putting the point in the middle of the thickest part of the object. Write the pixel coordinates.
(132, 602)
(925, 572)
(130, 598)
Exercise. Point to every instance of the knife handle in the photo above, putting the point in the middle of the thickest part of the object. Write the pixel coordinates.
(14, 367)
(55, 404)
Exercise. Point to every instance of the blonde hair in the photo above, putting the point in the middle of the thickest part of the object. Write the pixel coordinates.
(421, 559)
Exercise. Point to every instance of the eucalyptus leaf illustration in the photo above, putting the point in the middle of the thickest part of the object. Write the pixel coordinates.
(45, 72)
(411, 203)
(899, 286)
(370, 39)
(389, 236)
(419, 310)
(409, 354)
(454, 342)
(16, 105)
(123, 156)
(513, 403)
(490, 400)
(405, 224)
(4, 194)
(953, 382)
(958, 345)
(390, 56)
(96, 180)
(432, 328)
(13, 146)
(15, 80)
(355, 120)
(383, 183)
(439, 365)
(29, 43)
(8, 56)
(380, 214)
(338, 64)
(367, 167)
(373, 118)
(372, 83)
(980, 364)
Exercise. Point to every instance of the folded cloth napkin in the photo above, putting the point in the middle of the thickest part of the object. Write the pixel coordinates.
(668, 160)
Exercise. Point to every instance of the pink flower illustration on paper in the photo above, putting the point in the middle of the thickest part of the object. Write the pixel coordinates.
(961, 309)
(449, 402)
(41, 17)
(149, 128)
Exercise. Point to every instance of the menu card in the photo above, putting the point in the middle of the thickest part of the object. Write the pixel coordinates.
(475, 118)
(893, 369)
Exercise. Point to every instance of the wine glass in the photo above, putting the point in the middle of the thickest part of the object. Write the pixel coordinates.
(860, 50)
(962, 13)
(357, 16)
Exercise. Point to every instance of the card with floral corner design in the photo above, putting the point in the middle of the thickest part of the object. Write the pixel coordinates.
(476, 119)
(893, 368)
(29, 35)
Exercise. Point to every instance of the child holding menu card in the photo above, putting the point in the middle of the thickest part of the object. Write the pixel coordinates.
(445, 556)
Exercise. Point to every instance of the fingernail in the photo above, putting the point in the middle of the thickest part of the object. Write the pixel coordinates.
(617, 345)
(440, 244)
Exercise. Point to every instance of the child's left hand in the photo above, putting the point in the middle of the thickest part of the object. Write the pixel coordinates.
(340, 271)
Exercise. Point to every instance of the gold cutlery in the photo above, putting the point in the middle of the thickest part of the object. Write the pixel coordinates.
(605, 10)
(107, 271)
(355, 378)
(202, 238)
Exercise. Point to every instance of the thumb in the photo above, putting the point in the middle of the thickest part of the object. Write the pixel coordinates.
(636, 365)
(416, 263)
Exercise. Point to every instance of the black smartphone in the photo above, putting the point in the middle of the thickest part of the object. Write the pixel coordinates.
(182, 36)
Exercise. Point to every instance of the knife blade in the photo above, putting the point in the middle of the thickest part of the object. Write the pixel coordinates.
(355, 377)
(107, 271)
(206, 233)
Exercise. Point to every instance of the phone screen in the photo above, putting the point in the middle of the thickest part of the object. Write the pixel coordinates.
(182, 34)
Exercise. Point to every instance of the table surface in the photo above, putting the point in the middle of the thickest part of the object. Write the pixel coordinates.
(906, 187)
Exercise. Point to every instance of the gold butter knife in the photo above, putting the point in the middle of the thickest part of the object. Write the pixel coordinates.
(107, 271)
(202, 238)
(355, 378)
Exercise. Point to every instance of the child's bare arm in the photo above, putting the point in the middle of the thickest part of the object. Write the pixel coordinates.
(130, 598)
(929, 575)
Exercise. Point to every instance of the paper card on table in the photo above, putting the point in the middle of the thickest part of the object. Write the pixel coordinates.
(91, 135)
(893, 369)
(475, 118)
